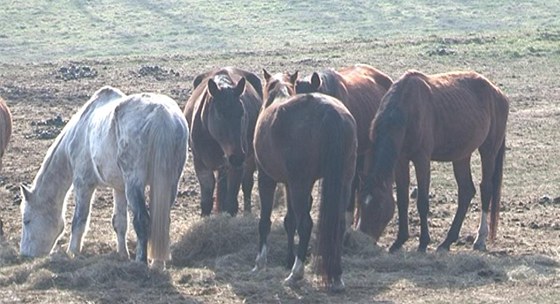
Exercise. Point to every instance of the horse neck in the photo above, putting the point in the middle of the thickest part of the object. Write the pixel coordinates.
(55, 176)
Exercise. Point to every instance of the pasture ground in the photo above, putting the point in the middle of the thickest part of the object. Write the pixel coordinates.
(46, 75)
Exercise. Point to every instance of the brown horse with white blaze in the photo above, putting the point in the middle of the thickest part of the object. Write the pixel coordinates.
(298, 140)
(360, 88)
(221, 113)
(442, 117)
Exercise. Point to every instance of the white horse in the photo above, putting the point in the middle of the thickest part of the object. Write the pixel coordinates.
(118, 141)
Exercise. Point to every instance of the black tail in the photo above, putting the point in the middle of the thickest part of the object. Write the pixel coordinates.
(336, 147)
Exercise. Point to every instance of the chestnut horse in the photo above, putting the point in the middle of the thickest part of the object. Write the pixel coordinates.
(5, 128)
(5, 134)
(360, 88)
(444, 118)
(222, 112)
(298, 140)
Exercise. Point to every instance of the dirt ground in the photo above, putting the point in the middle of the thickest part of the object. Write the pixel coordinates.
(212, 258)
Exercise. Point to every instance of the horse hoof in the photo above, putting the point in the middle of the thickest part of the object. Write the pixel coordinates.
(395, 248)
(479, 246)
(292, 281)
(337, 286)
(442, 249)
(158, 265)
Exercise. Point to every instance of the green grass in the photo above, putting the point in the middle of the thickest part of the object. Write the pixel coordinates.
(36, 31)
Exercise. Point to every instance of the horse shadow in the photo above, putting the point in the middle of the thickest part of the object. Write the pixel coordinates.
(227, 247)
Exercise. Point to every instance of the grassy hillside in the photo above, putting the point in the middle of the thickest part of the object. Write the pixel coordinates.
(36, 31)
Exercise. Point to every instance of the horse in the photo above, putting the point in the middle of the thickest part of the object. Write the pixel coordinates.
(5, 134)
(125, 142)
(5, 128)
(442, 117)
(360, 88)
(221, 112)
(298, 140)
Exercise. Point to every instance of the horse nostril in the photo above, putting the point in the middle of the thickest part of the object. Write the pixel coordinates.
(236, 160)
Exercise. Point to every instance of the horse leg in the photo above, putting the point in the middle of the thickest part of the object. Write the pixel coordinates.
(353, 211)
(141, 219)
(422, 167)
(207, 183)
(267, 187)
(466, 191)
(222, 190)
(247, 184)
(299, 194)
(290, 227)
(235, 175)
(402, 180)
(83, 193)
(488, 164)
(120, 221)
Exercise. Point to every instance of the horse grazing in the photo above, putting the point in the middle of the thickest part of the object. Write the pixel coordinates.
(119, 141)
(441, 117)
(299, 140)
(5, 128)
(222, 112)
(360, 88)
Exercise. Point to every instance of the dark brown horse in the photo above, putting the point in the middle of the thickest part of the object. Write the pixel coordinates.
(222, 112)
(360, 88)
(298, 140)
(441, 117)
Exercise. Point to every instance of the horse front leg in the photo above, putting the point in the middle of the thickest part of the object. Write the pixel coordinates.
(267, 186)
(207, 182)
(83, 193)
(120, 221)
(402, 180)
(247, 184)
(423, 201)
(141, 219)
(234, 177)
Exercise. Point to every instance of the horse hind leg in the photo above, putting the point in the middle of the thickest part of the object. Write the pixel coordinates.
(141, 220)
(120, 222)
(290, 227)
(466, 192)
(266, 193)
(83, 194)
(299, 198)
(486, 191)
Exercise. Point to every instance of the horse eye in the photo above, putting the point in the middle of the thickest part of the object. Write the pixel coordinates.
(26, 222)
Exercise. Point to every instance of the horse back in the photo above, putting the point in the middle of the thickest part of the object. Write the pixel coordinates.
(360, 88)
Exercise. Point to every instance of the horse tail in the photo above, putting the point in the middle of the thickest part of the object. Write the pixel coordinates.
(333, 197)
(497, 191)
(169, 153)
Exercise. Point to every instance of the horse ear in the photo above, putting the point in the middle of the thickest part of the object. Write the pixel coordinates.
(240, 87)
(25, 191)
(213, 88)
(266, 75)
(294, 77)
(315, 81)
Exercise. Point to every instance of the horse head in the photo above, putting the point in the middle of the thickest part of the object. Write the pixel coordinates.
(226, 117)
(280, 85)
(309, 84)
(42, 225)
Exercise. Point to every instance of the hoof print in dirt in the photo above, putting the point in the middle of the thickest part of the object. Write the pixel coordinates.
(47, 128)
(156, 71)
(74, 72)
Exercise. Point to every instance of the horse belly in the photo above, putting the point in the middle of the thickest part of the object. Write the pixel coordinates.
(106, 167)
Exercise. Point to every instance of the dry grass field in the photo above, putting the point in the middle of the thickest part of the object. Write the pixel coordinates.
(53, 57)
